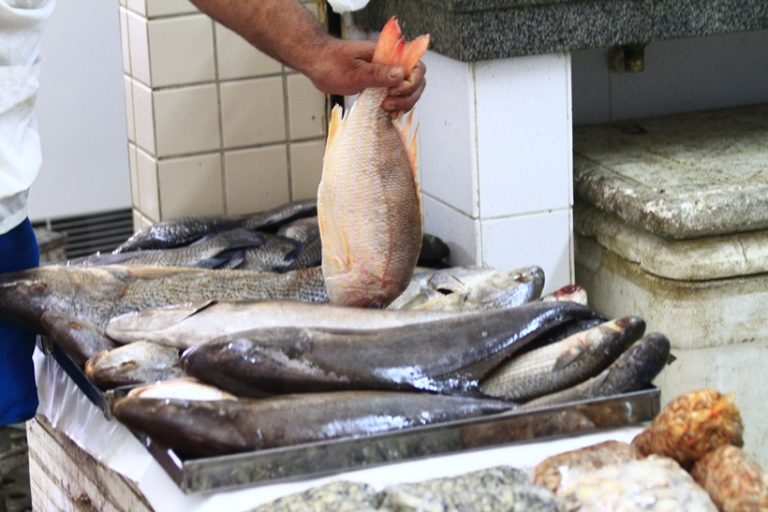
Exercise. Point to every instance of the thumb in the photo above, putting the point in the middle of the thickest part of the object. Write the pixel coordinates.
(381, 75)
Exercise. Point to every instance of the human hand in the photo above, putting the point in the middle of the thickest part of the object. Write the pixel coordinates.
(345, 67)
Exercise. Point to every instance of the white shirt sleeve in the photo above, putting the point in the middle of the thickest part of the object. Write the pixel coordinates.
(21, 24)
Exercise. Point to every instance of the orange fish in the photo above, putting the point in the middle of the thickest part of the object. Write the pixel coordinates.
(368, 204)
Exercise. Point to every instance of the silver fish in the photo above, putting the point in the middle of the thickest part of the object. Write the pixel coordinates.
(302, 230)
(633, 370)
(204, 253)
(187, 325)
(275, 255)
(137, 363)
(562, 364)
(470, 288)
(185, 388)
(205, 428)
(445, 356)
(571, 292)
(96, 294)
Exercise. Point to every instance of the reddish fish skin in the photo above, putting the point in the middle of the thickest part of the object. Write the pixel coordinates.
(369, 206)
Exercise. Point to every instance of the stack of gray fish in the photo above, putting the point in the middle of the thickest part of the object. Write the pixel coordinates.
(239, 305)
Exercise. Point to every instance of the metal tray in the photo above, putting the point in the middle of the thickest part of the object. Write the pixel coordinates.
(311, 460)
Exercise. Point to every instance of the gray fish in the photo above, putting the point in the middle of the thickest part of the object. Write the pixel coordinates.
(185, 388)
(96, 294)
(204, 253)
(80, 340)
(271, 219)
(443, 356)
(302, 230)
(187, 325)
(470, 288)
(434, 252)
(571, 292)
(562, 364)
(275, 255)
(137, 363)
(633, 370)
(206, 428)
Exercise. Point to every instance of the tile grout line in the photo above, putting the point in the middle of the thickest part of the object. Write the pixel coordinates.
(222, 160)
(286, 114)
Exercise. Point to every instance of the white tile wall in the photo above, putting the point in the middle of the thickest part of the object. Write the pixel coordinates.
(306, 112)
(191, 186)
(252, 112)
(238, 59)
(149, 195)
(181, 50)
(186, 120)
(132, 168)
(306, 168)
(124, 44)
(542, 239)
(523, 134)
(138, 42)
(458, 230)
(143, 117)
(156, 8)
(129, 119)
(256, 179)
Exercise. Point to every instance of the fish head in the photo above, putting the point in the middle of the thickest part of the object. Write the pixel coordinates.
(76, 291)
(480, 287)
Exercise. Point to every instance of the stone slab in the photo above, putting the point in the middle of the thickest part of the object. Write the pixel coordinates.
(693, 314)
(699, 259)
(473, 30)
(680, 176)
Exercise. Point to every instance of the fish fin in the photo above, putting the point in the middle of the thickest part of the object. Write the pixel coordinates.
(392, 50)
(569, 357)
(332, 235)
(334, 125)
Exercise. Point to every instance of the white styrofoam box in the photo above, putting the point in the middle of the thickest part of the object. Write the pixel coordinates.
(138, 40)
(447, 144)
(149, 195)
(237, 58)
(124, 42)
(256, 179)
(186, 120)
(543, 239)
(181, 50)
(129, 118)
(306, 168)
(306, 108)
(591, 86)
(168, 7)
(523, 134)
(143, 117)
(191, 186)
(460, 231)
(133, 170)
(252, 112)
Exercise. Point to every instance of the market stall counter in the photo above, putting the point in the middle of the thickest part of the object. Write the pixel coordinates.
(78, 456)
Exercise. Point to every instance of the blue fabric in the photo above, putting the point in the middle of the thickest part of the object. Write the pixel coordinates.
(18, 393)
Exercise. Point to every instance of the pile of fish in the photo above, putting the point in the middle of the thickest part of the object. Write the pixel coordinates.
(224, 360)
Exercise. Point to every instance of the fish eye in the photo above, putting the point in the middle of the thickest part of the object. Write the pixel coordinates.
(38, 287)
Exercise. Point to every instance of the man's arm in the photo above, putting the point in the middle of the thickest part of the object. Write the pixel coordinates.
(287, 32)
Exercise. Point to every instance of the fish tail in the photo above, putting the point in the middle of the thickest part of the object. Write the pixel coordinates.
(392, 50)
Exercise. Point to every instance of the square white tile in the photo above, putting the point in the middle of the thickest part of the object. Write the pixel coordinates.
(306, 108)
(143, 117)
(523, 134)
(252, 112)
(139, 6)
(191, 186)
(149, 195)
(306, 168)
(186, 120)
(447, 151)
(256, 179)
(543, 239)
(455, 228)
(129, 116)
(124, 42)
(168, 7)
(134, 172)
(181, 50)
(237, 58)
(138, 39)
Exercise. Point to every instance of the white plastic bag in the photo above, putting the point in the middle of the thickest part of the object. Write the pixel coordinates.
(342, 6)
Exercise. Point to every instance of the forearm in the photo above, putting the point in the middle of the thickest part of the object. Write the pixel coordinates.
(283, 29)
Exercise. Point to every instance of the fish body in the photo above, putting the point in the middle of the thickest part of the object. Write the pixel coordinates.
(368, 203)
(434, 252)
(571, 292)
(204, 253)
(563, 364)
(137, 363)
(275, 255)
(206, 428)
(184, 388)
(470, 289)
(187, 325)
(80, 340)
(633, 370)
(96, 294)
(445, 356)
